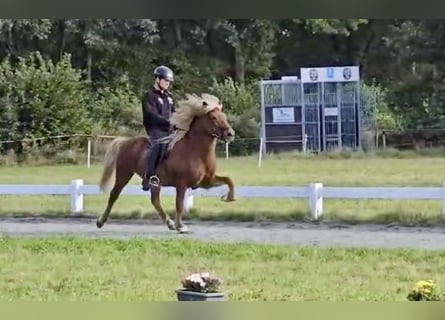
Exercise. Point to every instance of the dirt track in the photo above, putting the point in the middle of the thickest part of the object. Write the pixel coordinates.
(276, 233)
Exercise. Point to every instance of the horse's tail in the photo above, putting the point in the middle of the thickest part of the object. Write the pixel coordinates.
(109, 170)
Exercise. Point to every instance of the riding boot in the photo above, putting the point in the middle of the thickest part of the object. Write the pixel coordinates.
(149, 179)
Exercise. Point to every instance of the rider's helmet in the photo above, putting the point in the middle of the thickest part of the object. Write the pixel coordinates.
(164, 72)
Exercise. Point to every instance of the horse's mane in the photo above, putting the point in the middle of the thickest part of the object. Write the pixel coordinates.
(186, 110)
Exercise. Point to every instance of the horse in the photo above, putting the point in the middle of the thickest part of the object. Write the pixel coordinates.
(189, 160)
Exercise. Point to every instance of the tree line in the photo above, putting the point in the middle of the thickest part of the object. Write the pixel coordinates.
(67, 76)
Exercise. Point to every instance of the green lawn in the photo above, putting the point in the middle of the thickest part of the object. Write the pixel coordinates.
(284, 171)
(128, 270)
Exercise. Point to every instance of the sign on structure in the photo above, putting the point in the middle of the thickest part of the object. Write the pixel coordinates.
(283, 115)
(317, 113)
(330, 74)
(331, 96)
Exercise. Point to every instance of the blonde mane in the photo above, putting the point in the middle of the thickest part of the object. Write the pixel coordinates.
(186, 110)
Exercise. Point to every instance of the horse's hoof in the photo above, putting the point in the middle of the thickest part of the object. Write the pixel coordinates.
(227, 199)
(99, 224)
(171, 224)
(183, 230)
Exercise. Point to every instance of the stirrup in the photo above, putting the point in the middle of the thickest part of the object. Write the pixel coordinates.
(154, 181)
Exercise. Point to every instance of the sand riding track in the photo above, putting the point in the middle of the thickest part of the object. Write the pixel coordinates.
(323, 234)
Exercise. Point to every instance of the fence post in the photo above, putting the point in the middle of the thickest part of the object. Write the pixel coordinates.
(443, 200)
(305, 143)
(316, 200)
(188, 200)
(89, 153)
(76, 196)
(260, 153)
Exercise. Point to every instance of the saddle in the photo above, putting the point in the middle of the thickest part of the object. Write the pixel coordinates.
(160, 147)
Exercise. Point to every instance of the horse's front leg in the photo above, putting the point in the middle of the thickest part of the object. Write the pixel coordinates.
(220, 180)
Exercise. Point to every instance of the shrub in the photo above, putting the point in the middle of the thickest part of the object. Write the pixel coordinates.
(41, 99)
(117, 111)
(241, 104)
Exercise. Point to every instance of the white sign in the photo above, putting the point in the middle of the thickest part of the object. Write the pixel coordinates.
(330, 112)
(330, 74)
(283, 115)
(289, 78)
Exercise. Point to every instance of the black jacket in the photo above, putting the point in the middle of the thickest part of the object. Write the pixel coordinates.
(157, 108)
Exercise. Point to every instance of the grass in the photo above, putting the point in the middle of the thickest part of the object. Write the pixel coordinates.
(284, 170)
(135, 270)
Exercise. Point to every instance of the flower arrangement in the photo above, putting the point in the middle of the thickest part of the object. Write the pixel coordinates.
(425, 290)
(201, 282)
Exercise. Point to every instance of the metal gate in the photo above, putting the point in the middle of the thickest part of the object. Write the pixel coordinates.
(338, 91)
(281, 115)
(339, 113)
(320, 112)
(311, 110)
(349, 111)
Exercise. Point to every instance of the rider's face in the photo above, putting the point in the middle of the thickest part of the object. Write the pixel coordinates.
(164, 84)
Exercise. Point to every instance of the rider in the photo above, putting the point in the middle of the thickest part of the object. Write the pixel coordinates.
(157, 107)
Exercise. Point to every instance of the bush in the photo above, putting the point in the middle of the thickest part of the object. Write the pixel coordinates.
(241, 104)
(375, 107)
(41, 99)
(117, 111)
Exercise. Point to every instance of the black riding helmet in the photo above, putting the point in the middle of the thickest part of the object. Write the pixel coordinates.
(164, 72)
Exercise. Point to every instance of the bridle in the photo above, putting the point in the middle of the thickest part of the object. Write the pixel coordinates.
(215, 132)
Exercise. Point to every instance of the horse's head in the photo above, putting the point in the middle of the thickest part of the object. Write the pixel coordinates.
(215, 124)
(203, 115)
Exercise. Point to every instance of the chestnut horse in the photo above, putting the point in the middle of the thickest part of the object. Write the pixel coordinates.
(190, 160)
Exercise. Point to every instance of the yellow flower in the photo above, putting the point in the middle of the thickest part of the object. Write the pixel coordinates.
(421, 285)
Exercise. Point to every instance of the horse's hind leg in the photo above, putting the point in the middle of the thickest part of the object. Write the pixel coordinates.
(122, 178)
(180, 194)
(156, 202)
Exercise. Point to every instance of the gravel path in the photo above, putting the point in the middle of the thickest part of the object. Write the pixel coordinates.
(272, 233)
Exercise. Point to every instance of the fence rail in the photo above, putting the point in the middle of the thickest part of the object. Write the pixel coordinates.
(314, 193)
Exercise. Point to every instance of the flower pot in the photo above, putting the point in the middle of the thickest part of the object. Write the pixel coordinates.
(187, 295)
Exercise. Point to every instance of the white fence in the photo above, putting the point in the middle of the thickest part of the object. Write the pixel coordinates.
(314, 193)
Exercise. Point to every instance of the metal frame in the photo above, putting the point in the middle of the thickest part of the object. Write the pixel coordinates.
(303, 118)
(263, 119)
(321, 103)
(304, 107)
(264, 123)
(359, 115)
(322, 120)
(339, 89)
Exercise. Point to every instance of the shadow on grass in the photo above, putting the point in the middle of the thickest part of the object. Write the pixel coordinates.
(300, 216)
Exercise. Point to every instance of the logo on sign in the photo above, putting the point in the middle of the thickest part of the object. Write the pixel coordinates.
(330, 73)
(283, 115)
(313, 74)
(347, 73)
